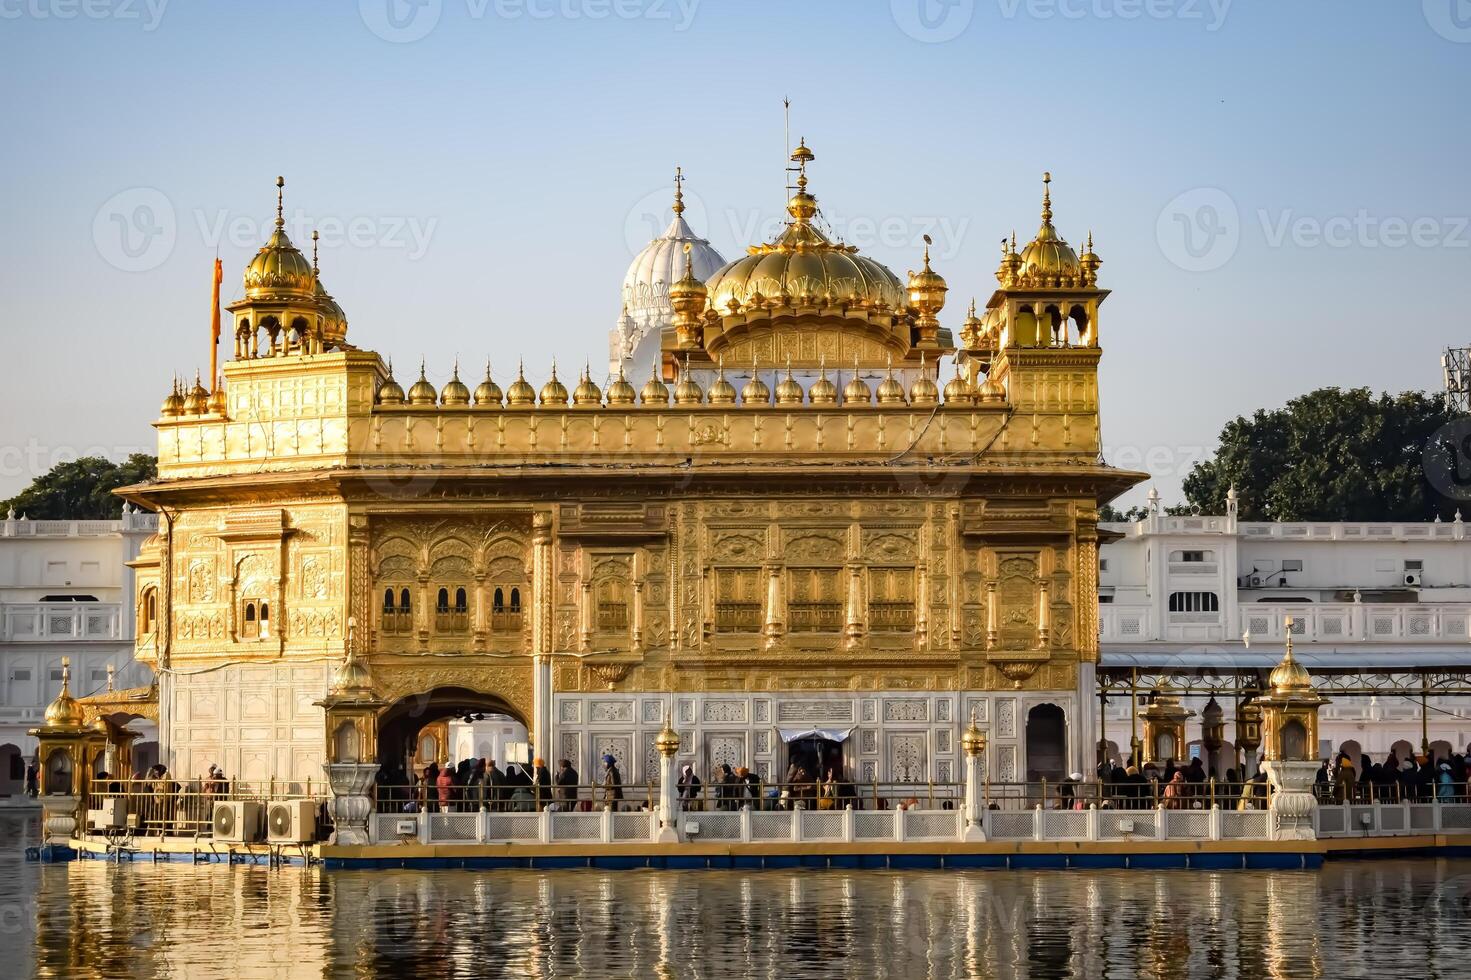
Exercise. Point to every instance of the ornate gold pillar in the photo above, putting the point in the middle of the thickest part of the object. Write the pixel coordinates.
(853, 628)
(774, 627)
(62, 749)
(542, 597)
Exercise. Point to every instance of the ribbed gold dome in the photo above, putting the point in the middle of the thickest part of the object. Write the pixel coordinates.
(1289, 676)
(455, 393)
(755, 392)
(923, 391)
(788, 390)
(173, 403)
(856, 392)
(687, 391)
(279, 268)
(620, 392)
(218, 404)
(587, 393)
(722, 392)
(1047, 256)
(422, 392)
(197, 401)
(891, 392)
(655, 391)
(391, 392)
(927, 287)
(957, 389)
(991, 391)
(488, 393)
(65, 711)
(553, 392)
(823, 391)
(520, 394)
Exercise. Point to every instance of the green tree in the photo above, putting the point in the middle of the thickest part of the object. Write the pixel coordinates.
(82, 490)
(1329, 455)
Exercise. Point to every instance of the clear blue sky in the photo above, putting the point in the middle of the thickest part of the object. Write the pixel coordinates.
(490, 179)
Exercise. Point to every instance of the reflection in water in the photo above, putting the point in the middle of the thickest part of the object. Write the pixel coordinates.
(96, 919)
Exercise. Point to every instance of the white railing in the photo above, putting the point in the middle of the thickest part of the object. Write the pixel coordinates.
(56, 622)
(1410, 622)
(16, 528)
(1096, 824)
(1339, 531)
(1391, 819)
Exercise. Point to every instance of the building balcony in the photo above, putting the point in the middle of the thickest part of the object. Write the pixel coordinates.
(1408, 622)
(69, 622)
(78, 529)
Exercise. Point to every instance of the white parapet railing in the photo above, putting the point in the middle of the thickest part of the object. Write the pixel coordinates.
(1312, 622)
(1392, 819)
(60, 622)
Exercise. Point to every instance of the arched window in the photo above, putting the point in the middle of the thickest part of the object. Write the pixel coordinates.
(265, 619)
(498, 603)
(462, 603)
(612, 606)
(448, 618)
(388, 600)
(400, 619)
(148, 613)
(251, 625)
(1194, 602)
(403, 601)
(443, 604)
(516, 601)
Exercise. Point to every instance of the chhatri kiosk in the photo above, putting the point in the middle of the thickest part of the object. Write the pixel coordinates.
(794, 536)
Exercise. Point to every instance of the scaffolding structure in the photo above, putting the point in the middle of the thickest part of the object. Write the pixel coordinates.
(1456, 365)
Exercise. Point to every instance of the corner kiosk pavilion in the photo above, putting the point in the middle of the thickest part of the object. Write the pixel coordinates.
(789, 536)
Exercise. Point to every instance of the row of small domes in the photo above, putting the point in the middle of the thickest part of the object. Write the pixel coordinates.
(193, 401)
(686, 391)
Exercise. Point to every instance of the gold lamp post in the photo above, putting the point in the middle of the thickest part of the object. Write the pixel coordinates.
(351, 708)
(1164, 726)
(1212, 733)
(667, 742)
(973, 742)
(1290, 744)
(63, 739)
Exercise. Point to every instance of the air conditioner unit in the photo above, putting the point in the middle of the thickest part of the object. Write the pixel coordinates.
(1412, 578)
(108, 814)
(236, 822)
(1256, 581)
(291, 822)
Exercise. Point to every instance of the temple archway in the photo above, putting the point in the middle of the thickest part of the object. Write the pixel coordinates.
(1046, 743)
(400, 725)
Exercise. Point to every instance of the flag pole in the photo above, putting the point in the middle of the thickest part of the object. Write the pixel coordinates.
(214, 327)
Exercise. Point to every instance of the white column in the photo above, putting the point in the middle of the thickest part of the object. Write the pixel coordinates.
(541, 702)
(1085, 724)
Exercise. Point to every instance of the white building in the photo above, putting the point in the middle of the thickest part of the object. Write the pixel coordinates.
(65, 591)
(1214, 592)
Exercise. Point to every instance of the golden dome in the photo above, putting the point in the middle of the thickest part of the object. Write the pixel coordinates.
(173, 403)
(788, 391)
(687, 293)
(856, 391)
(65, 711)
(1090, 263)
(553, 392)
(520, 394)
(1289, 677)
(667, 741)
(455, 393)
(991, 390)
(687, 392)
(587, 393)
(217, 402)
(924, 390)
(655, 391)
(391, 392)
(197, 401)
(927, 287)
(279, 268)
(823, 391)
(1048, 259)
(620, 392)
(957, 389)
(891, 392)
(803, 267)
(488, 393)
(352, 676)
(755, 392)
(973, 740)
(722, 392)
(422, 392)
(972, 329)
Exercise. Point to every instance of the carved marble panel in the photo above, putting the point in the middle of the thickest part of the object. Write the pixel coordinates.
(725, 749)
(762, 709)
(611, 711)
(763, 742)
(906, 709)
(942, 740)
(906, 757)
(868, 741)
(620, 747)
(1006, 717)
(569, 711)
(724, 710)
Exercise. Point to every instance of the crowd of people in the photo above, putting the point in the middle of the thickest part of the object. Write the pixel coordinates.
(482, 784)
(1422, 779)
(1175, 787)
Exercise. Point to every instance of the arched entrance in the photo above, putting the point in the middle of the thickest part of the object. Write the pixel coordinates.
(404, 726)
(1046, 743)
(12, 771)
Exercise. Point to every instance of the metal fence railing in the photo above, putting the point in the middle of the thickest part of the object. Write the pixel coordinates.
(170, 808)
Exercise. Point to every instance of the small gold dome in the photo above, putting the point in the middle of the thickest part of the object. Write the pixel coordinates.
(891, 392)
(957, 389)
(65, 711)
(587, 394)
(923, 391)
(455, 393)
(667, 741)
(973, 740)
(488, 393)
(173, 403)
(1289, 677)
(971, 330)
(991, 391)
(788, 390)
(553, 392)
(352, 676)
(755, 392)
(687, 294)
(520, 394)
(390, 392)
(655, 391)
(218, 404)
(823, 391)
(856, 391)
(722, 392)
(1048, 258)
(197, 401)
(687, 391)
(422, 392)
(279, 268)
(620, 392)
(927, 287)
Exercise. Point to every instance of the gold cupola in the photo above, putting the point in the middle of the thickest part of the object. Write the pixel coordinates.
(455, 393)
(923, 391)
(620, 392)
(65, 711)
(755, 392)
(488, 393)
(823, 391)
(957, 389)
(587, 394)
(788, 389)
(687, 391)
(520, 394)
(390, 392)
(688, 295)
(218, 403)
(553, 392)
(722, 392)
(1048, 260)
(279, 269)
(655, 391)
(927, 291)
(173, 403)
(422, 393)
(197, 401)
(891, 392)
(1090, 263)
(856, 392)
(334, 319)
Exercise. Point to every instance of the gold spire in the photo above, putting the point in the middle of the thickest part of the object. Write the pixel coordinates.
(687, 391)
(280, 202)
(587, 393)
(923, 391)
(679, 190)
(455, 393)
(1047, 197)
(655, 391)
(553, 392)
(65, 711)
(856, 391)
(891, 392)
(488, 393)
(1289, 676)
(316, 270)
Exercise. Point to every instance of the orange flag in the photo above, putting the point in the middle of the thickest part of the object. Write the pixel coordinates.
(214, 326)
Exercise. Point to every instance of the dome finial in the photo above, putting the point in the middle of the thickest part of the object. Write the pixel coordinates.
(280, 202)
(316, 269)
(679, 191)
(1047, 196)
